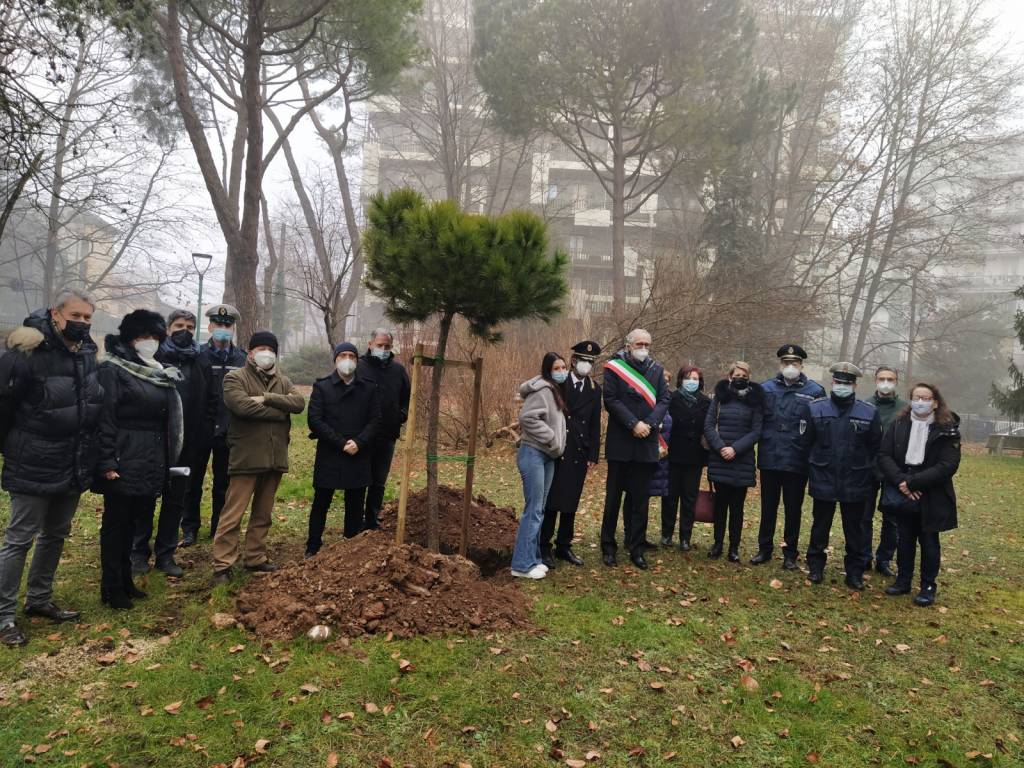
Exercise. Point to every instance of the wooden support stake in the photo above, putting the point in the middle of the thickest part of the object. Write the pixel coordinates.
(478, 372)
(410, 439)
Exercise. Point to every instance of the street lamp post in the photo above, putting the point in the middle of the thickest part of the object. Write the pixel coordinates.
(202, 262)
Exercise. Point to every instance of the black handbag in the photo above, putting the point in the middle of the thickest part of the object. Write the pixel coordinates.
(894, 500)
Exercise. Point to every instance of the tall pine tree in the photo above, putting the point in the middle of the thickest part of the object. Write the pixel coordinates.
(1010, 401)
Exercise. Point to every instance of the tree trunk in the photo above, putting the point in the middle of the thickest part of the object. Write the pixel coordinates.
(618, 228)
(266, 319)
(912, 332)
(433, 420)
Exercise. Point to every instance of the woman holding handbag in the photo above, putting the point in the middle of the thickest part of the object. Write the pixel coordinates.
(687, 455)
(732, 428)
(920, 453)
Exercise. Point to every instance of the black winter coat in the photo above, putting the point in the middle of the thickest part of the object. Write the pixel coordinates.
(735, 422)
(340, 412)
(934, 478)
(688, 429)
(393, 389)
(134, 429)
(50, 401)
(199, 400)
(582, 445)
(221, 363)
(626, 407)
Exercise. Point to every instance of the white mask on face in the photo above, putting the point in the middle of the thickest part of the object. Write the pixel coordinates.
(583, 367)
(265, 359)
(147, 348)
(345, 366)
(791, 373)
(886, 387)
(640, 354)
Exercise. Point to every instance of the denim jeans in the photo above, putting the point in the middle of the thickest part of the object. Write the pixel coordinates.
(537, 470)
(47, 521)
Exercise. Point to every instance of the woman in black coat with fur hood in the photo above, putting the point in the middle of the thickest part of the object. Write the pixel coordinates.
(920, 453)
(141, 431)
(732, 428)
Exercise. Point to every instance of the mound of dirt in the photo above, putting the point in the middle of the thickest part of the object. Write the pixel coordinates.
(368, 585)
(492, 529)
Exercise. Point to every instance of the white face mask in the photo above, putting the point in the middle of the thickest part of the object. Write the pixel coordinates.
(886, 387)
(583, 367)
(640, 354)
(147, 347)
(842, 390)
(265, 359)
(791, 373)
(345, 366)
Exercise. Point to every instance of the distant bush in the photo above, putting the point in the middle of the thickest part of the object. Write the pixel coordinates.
(307, 364)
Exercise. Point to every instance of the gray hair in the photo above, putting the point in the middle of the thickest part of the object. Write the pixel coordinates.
(67, 294)
(631, 336)
(383, 332)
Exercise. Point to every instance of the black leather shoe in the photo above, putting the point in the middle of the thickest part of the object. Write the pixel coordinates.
(897, 589)
(816, 577)
(188, 539)
(264, 567)
(221, 577)
(609, 560)
(51, 612)
(119, 601)
(925, 597)
(733, 556)
(569, 556)
(684, 545)
(762, 556)
(11, 636)
(548, 558)
(883, 567)
(715, 552)
(666, 541)
(639, 561)
(170, 568)
(855, 582)
(649, 544)
(789, 563)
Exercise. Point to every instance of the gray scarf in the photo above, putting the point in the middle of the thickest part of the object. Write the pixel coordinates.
(165, 378)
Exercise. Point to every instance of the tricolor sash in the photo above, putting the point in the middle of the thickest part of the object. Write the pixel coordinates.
(635, 381)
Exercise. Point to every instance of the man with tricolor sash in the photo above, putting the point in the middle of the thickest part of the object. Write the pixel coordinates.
(636, 398)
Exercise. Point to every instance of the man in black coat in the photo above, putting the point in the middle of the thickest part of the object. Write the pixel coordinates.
(50, 402)
(378, 365)
(582, 450)
(199, 407)
(223, 356)
(636, 398)
(344, 419)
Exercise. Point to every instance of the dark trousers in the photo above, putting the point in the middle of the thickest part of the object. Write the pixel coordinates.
(380, 466)
(888, 535)
(910, 535)
(821, 528)
(790, 488)
(190, 519)
(117, 533)
(633, 479)
(729, 501)
(683, 485)
(355, 520)
(172, 506)
(566, 520)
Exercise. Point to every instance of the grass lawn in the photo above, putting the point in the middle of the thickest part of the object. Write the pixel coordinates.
(693, 663)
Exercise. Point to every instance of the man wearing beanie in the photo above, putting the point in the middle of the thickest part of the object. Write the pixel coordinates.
(344, 418)
(261, 402)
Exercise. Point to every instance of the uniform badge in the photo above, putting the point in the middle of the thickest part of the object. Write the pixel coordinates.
(803, 426)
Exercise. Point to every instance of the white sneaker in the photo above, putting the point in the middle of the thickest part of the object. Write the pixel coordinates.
(542, 567)
(533, 573)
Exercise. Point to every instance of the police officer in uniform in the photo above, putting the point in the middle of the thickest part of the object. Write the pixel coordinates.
(781, 456)
(843, 436)
(223, 356)
(582, 396)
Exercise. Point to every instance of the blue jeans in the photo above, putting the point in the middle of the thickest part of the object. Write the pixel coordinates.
(537, 470)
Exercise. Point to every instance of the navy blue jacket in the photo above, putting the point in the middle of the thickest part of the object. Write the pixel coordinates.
(843, 444)
(734, 421)
(221, 364)
(626, 407)
(785, 407)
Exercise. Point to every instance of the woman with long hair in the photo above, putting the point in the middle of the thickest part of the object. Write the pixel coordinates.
(920, 453)
(542, 440)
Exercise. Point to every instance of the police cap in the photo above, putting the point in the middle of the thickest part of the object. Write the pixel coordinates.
(791, 352)
(845, 372)
(224, 314)
(586, 350)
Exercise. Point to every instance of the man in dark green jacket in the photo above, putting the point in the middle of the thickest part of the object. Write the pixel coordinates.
(889, 405)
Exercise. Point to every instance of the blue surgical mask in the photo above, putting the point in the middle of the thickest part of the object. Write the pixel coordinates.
(921, 407)
(559, 376)
(380, 354)
(691, 385)
(842, 390)
(223, 335)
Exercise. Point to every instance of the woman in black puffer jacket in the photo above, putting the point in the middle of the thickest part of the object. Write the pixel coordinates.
(140, 436)
(732, 428)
